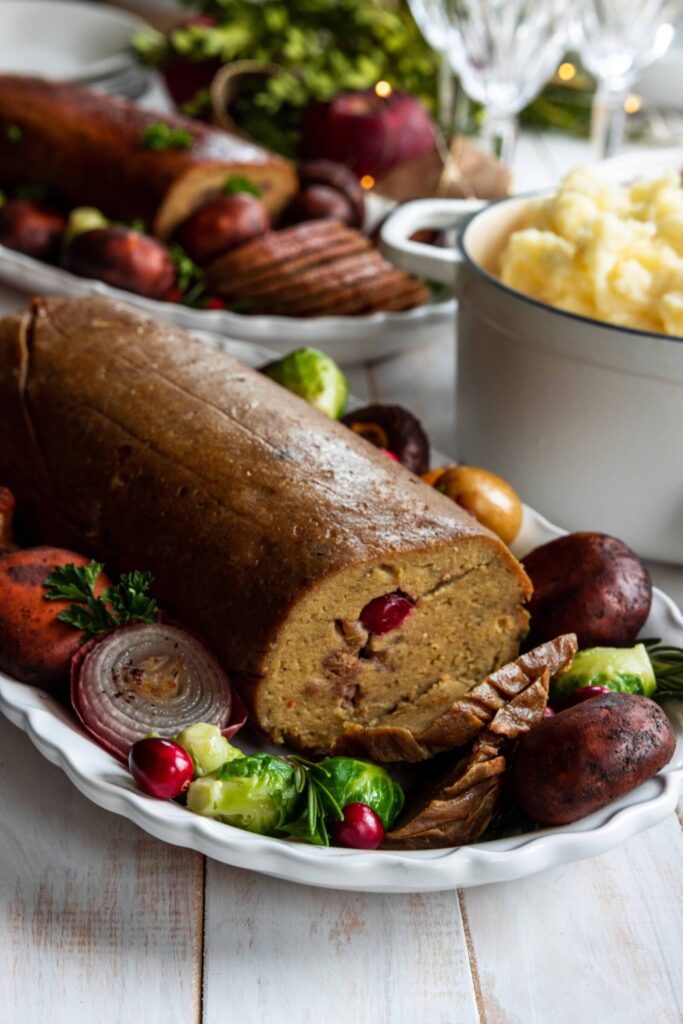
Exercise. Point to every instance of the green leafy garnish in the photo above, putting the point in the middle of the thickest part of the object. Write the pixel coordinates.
(160, 136)
(190, 277)
(238, 183)
(318, 803)
(198, 105)
(667, 665)
(14, 133)
(35, 193)
(123, 602)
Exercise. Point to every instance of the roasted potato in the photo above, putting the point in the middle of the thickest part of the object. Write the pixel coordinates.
(589, 584)
(35, 647)
(223, 224)
(581, 759)
(31, 228)
(124, 259)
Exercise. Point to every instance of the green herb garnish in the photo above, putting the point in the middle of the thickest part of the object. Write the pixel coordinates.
(238, 183)
(14, 133)
(190, 277)
(198, 105)
(160, 136)
(318, 803)
(35, 193)
(123, 602)
(667, 665)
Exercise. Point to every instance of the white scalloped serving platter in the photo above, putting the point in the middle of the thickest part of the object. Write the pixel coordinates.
(347, 339)
(104, 781)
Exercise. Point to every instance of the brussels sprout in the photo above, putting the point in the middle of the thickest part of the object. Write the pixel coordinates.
(207, 747)
(623, 669)
(314, 377)
(257, 793)
(82, 219)
(350, 781)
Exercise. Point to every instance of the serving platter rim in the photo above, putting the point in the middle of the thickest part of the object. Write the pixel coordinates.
(105, 782)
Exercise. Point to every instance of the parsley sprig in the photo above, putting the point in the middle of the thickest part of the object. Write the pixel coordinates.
(123, 602)
(318, 804)
(238, 183)
(159, 137)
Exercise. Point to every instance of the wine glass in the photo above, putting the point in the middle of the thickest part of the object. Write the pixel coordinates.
(617, 40)
(503, 51)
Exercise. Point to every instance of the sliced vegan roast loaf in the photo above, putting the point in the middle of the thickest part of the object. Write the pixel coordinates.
(89, 149)
(267, 526)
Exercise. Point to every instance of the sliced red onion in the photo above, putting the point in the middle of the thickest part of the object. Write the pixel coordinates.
(150, 678)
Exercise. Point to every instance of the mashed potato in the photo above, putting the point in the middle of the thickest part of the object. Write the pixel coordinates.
(611, 252)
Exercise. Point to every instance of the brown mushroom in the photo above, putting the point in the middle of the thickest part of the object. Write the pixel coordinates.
(394, 429)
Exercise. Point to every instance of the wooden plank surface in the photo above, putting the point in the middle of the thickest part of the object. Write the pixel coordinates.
(97, 919)
(308, 956)
(594, 941)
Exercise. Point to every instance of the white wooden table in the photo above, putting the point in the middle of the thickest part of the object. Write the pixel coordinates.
(99, 921)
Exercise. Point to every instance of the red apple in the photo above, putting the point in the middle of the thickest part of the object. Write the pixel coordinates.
(369, 133)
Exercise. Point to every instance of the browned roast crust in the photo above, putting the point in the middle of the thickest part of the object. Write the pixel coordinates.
(125, 438)
(459, 808)
(503, 703)
(87, 149)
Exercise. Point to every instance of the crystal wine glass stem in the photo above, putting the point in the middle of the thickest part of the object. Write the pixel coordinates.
(499, 136)
(608, 118)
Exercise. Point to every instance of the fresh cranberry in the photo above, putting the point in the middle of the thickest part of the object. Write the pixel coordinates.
(586, 692)
(214, 303)
(161, 768)
(389, 455)
(385, 613)
(549, 713)
(360, 828)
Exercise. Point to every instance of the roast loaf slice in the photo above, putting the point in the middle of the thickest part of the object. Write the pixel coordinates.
(88, 149)
(458, 807)
(442, 719)
(267, 526)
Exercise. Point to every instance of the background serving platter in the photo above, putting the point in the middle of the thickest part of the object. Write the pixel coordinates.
(347, 339)
(104, 781)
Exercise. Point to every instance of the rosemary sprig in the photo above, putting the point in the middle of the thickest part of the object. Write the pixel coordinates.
(318, 804)
(667, 665)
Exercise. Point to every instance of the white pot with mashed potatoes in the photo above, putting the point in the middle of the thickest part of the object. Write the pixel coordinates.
(570, 344)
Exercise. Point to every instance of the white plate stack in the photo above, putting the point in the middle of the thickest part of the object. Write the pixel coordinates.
(70, 41)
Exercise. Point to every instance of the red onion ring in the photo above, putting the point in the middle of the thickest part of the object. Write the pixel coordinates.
(150, 678)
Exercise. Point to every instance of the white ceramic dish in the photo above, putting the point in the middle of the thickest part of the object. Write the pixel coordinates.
(346, 339)
(584, 418)
(104, 781)
(79, 42)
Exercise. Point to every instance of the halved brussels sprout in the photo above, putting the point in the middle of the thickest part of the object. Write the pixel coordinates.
(207, 746)
(622, 669)
(256, 793)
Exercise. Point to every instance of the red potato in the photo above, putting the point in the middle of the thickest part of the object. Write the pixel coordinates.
(35, 647)
(124, 259)
(581, 759)
(223, 224)
(590, 584)
(31, 228)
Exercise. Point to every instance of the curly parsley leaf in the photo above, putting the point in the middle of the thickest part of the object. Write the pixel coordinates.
(130, 600)
(238, 184)
(72, 583)
(123, 602)
(159, 137)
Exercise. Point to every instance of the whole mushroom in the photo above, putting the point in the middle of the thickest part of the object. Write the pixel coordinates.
(394, 429)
